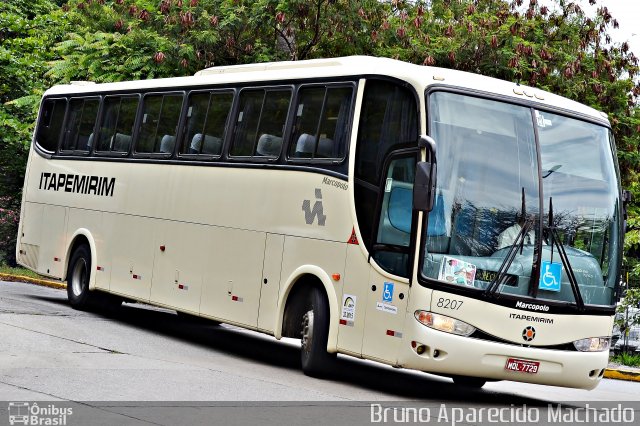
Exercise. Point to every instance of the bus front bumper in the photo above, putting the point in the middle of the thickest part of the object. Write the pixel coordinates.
(450, 354)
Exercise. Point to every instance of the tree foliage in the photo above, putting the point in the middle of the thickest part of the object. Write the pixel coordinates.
(554, 45)
(29, 29)
(125, 39)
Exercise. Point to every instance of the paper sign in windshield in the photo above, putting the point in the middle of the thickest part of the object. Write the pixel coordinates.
(457, 271)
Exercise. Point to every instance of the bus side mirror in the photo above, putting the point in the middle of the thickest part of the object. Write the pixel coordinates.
(424, 187)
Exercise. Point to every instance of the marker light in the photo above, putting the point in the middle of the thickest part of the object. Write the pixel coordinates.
(593, 344)
(444, 323)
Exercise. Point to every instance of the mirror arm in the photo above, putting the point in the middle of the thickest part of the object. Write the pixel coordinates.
(428, 142)
(424, 187)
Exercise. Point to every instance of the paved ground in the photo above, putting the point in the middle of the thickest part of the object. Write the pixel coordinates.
(49, 352)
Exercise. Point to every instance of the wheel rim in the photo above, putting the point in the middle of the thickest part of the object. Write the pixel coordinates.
(78, 277)
(307, 331)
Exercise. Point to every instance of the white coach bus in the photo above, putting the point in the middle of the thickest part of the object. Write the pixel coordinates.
(420, 217)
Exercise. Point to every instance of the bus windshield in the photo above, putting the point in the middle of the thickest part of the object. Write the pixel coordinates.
(492, 181)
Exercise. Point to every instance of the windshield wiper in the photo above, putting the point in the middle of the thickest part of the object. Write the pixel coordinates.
(517, 245)
(555, 240)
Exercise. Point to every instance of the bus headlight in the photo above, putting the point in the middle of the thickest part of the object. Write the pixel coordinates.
(593, 344)
(444, 323)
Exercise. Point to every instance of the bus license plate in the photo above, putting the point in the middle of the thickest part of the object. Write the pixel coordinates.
(522, 366)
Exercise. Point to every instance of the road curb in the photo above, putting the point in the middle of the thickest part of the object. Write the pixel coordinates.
(23, 279)
(616, 374)
(609, 373)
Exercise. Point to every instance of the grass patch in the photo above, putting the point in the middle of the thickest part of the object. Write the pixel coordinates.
(630, 360)
(4, 269)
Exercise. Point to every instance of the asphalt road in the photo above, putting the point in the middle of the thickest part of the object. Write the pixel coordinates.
(50, 352)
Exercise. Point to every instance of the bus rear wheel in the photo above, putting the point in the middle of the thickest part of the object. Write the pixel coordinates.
(316, 361)
(78, 293)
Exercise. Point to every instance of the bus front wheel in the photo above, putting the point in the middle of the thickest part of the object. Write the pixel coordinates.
(316, 361)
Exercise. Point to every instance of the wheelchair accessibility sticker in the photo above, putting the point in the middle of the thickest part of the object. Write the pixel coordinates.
(387, 298)
(387, 292)
(550, 276)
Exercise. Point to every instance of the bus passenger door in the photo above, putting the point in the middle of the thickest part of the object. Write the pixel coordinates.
(386, 309)
(390, 260)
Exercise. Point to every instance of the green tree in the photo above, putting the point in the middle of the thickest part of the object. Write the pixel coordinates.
(629, 315)
(124, 39)
(552, 45)
(28, 31)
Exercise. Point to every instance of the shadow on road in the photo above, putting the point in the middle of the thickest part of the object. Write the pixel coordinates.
(266, 350)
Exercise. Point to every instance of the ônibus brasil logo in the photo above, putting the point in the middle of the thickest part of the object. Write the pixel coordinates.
(26, 413)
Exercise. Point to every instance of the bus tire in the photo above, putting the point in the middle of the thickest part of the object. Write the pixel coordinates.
(78, 293)
(316, 361)
(469, 382)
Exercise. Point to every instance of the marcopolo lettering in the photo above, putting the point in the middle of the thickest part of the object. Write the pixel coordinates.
(532, 306)
(336, 183)
(78, 184)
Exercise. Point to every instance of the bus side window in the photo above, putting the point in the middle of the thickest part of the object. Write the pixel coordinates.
(207, 115)
(247, 122)
(260, 122)
(322, 115)
(50, 124)
(272, 122)
(81, 118)
(396, 214)
(116, 124)
(160, 116)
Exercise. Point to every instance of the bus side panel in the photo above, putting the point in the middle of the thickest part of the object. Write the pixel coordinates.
(92, 222)
(131, 252)
(353, 301)
(53, 245)
(271, 282)
(233, 274)
(31, 235)
(180, 259)
(103, 239)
